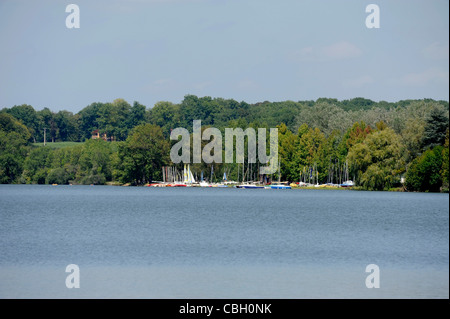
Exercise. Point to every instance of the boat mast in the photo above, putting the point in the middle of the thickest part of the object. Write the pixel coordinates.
(279, 172)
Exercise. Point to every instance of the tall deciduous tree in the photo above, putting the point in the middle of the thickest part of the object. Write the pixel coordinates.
(424, 173)
(137, 115)
(67, 126)
(13, 138)
(47, 121)
(376, 162)
(288, 143)
(36, 165)
(143, 154)
(88, 120)
(27, 115)
(166, 115)
(310, 153)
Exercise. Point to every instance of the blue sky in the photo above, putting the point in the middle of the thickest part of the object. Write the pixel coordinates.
(248, 50)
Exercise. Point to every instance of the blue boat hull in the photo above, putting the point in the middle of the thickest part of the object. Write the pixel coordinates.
(249, 186)
(280, 187)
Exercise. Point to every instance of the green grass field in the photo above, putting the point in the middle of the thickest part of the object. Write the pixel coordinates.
(58, 144)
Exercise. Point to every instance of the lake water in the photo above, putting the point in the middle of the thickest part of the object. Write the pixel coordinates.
(142, 242)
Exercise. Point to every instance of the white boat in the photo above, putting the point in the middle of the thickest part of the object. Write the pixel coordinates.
(348, 183)
(249, 186)
(204, 184)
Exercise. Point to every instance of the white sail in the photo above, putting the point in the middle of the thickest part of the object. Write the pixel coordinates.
(185, 178)
(191, 178)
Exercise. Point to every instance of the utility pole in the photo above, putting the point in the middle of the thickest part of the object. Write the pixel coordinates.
(44, 135)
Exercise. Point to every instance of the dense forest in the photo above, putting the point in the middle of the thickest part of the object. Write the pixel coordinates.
(380, 145)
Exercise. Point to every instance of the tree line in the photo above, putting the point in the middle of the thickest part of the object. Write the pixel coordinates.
(380, 145)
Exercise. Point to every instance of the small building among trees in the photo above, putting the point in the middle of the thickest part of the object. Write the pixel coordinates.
(96, 135)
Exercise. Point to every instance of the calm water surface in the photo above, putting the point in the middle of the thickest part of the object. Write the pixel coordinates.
(139, 242)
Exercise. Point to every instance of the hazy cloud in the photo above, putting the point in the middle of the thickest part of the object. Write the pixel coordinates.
(247, 85)
(425, 77)
(437, 51)
(201, 85)
(358, 82)
(160, 85)
(341, 50)
(132, 6)
(337, 51)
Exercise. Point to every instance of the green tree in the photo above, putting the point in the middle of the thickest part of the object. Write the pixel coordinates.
(143, 154)
(326, 117)
(335, 157)
(36, 165)
(412, 136)
(122, 111)
(107, 119)
(67, 126)
(58, 175)
(435, 128)
(357, 103)
(356, 134)
(166, 115)
(94, 163)
(288, 143)
(424, 173)
(310, 152)
(137, 115)
(273, 113)
(28, 116)
(88, 120)
(14, 137)
(376, 162)
(46, 120)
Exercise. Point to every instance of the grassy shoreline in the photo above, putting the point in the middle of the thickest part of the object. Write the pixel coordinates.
(354, 188)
